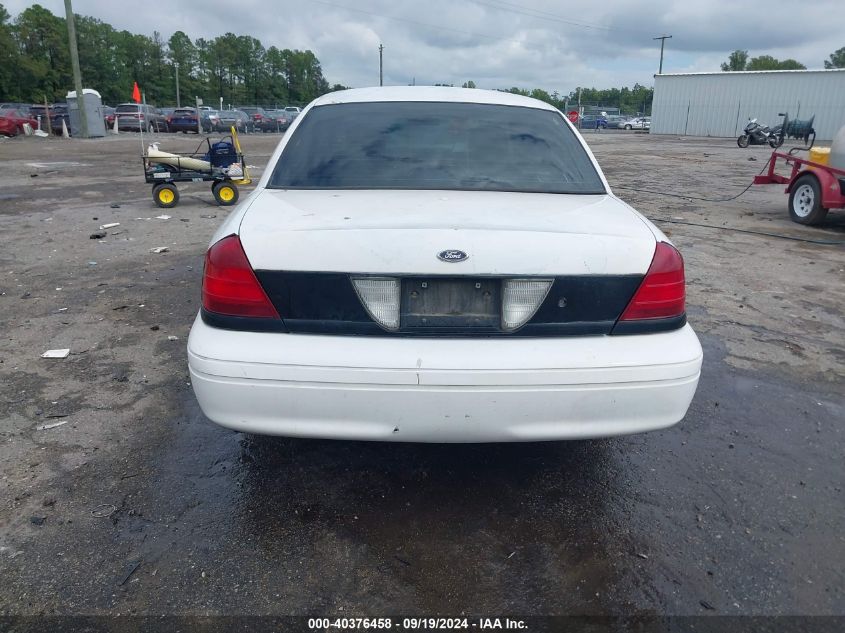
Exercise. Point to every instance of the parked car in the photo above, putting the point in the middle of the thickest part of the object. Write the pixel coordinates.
(259, 119)
(293, 111)
(616, 121)
(637, 123)
(433, 264)
(60, 113)
(183, 120)
(7, 126)
(108, 116)
(135, 117)
(232, 118)
(12, 122)
(282, 119)
(55, 112)
(210, 120)
(592, 121)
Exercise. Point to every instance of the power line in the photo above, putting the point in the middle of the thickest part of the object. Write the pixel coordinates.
(552, 17)
(417, 23)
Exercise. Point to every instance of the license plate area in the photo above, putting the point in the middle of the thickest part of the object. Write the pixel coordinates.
(439, 304)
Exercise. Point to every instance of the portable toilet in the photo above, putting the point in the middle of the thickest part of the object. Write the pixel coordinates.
(91, 109)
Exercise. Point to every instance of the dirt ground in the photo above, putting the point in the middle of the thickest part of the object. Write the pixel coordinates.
(136, 504)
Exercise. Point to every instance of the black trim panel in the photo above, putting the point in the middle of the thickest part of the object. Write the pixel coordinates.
(351, 328)
(246, 324)
(326, 303)
(650, 326)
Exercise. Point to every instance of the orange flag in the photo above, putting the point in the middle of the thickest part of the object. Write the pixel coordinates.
(136, 93)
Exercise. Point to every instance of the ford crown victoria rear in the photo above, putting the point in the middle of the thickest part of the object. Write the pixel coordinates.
(440, 265)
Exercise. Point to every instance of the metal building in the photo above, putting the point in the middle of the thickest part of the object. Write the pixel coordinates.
(720, 104)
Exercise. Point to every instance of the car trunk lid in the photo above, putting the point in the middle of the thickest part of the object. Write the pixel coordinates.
(402, 232)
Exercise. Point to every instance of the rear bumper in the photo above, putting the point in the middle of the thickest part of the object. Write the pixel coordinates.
(443, 390)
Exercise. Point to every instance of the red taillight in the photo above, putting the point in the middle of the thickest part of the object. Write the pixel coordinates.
(662, 292)
(229, 285)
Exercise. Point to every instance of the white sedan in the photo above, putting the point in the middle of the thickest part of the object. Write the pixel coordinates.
(639, 123)
(440, 265)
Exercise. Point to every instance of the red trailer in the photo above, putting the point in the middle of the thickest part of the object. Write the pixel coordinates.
(813, 188)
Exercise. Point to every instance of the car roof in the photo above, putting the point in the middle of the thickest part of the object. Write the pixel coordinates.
(432, 94)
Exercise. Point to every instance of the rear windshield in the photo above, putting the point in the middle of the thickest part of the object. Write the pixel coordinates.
(127, 108)
(184, 112)
(415, 145)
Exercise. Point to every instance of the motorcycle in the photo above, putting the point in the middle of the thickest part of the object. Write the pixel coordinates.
(756, 134)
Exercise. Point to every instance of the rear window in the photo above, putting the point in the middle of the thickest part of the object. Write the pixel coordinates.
(126, 108)
(461, 146)
(183, 112)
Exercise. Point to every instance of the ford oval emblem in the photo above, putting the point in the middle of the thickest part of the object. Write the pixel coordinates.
(452, 256)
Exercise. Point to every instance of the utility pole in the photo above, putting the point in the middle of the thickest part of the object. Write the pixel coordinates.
(662, 39)
(77, 75)
(380, 65)
(178, 98)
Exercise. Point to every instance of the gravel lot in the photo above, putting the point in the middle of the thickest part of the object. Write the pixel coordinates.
(137, 504)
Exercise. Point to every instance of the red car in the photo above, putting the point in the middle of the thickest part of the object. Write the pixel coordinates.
(12, 121)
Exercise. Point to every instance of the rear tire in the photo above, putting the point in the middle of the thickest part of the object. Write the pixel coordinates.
(775, 142)
(627, 127)
(805, 201)
(225, 193)
(743, 141)
(166, 195)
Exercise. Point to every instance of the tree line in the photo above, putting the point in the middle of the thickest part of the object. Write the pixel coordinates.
(739, 60)
(35, 64)
(629, 100)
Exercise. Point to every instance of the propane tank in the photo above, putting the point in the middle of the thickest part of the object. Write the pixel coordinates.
(837, 150)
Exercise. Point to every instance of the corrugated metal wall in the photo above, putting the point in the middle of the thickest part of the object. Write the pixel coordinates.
(720, 104)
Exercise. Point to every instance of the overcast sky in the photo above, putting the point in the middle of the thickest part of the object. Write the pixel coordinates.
(498, 43)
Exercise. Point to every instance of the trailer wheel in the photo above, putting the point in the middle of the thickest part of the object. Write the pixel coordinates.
(225, 192)
(805, 201)
(742, 141)
(166, 195)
